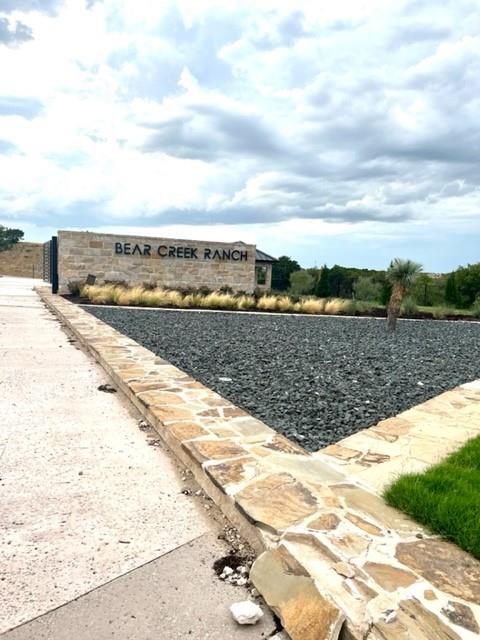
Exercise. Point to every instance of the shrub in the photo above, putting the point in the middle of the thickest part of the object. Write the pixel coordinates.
(116, 283)
(258, 293)
(476, 307)
(439, 313)
(149, 286)
(408, 306)
(349, 307)
(225, 289)
(363, 306)
(74, 287)
(267, 303)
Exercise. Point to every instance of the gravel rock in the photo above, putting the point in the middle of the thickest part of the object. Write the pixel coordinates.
(246, 612)
(314, 379)
(107, 388)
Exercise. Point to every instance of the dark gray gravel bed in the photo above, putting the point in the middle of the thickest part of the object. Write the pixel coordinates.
(314, 379)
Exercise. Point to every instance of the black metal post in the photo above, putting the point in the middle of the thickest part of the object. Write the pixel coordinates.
(54, 264)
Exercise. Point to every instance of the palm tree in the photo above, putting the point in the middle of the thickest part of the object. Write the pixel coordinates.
(401, 274)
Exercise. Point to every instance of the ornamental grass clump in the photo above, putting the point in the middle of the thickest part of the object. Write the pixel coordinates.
(174, 298)
(216, 300)
(153, 298)
(191, 301)
(311, 306)
(129, 297)
(349, 307)
(98, 294)
(285, 304)
(335, 306)
(267, 303)
(246, 303)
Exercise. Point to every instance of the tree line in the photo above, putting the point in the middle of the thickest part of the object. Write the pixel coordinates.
(460, 288)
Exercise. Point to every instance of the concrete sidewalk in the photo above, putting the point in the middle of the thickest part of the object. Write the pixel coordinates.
(87, 507)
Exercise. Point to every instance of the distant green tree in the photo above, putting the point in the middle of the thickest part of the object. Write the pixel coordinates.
(322, 288)
(451, 293)
(367, 288)
(9, 237)
(422, 289)
(467, 280)
(281, 271)
(314, 272)
(340, 282)
(301, 282)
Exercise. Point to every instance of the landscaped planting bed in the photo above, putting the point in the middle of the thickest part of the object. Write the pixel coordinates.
(314, 379)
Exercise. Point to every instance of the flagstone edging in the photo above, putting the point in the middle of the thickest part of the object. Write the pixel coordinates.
(335, 561)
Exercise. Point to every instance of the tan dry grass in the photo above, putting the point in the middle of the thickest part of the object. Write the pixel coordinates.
(285, 304)
(129, 297)
(312, 306)
(246, 302)
(336, 306)
(99, 294)
(216, 300)
(139, 296)
(267, 303)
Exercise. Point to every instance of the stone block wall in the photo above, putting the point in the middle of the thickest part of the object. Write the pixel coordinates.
(23, 260)
(164, 261)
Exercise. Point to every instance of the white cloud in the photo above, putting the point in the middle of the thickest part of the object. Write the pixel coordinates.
(286, 122)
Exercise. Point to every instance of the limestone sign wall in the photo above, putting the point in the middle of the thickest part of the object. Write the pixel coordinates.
(23, 260)
(164, 261)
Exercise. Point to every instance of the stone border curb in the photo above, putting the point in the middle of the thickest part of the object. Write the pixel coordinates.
(335, 560)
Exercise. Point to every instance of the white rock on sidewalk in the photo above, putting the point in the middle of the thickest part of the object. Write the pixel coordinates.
(246, 612)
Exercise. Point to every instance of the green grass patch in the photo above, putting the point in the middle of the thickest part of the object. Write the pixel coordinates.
(443, 312)
(445, 498)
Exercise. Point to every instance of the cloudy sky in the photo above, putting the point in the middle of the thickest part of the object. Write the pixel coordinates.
(341, 132)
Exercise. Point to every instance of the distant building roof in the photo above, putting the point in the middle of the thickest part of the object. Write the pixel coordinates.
(261, 256)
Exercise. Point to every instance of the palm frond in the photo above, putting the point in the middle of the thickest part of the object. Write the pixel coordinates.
(403, 272)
